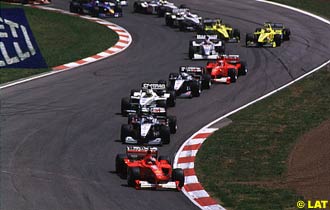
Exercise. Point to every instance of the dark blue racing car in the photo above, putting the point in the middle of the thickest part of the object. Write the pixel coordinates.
(96, 8)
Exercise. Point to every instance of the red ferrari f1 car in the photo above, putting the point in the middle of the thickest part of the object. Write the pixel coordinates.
(226, 68)
(144, 169)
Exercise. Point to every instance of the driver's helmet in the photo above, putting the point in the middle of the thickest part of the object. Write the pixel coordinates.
(149, 159)
(218, 23)
(207, 40)
(220, 62)
(184, 75)
(149, 118)
(149, 91)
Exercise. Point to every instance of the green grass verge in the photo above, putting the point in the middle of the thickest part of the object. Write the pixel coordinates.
(243, 165)
(319, 7)
(61, 39)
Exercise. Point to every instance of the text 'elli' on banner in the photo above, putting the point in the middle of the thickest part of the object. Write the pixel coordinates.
(18, 48)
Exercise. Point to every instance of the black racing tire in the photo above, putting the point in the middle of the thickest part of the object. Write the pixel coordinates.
(277, 40)
(249, 38)
(172, 124)
(171, 101)
(121, 167)
(125, 105)
(286, 34)
(178, 175)
(191, 52)
(165, 134)
(168, 21)
(135, 7)
(166, 158)
(133, 174)
(232, 75)
(236, 34)
(195, 89)
(173, 76)
(126, 130)
(206, 82)
(243, 69)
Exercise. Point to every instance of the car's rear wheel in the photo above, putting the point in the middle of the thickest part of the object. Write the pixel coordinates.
(178, 175)
(195, 89)
(277, 40)
(125, 105)
(249, 38)
(172, 124)
(206, 82)
(191, 52)
(165, 134)
(133, 174)
(286, 34)
(232, 75)
(171, 100)
(125, 131)
(243, 69)
(236, 34)
(121, 168)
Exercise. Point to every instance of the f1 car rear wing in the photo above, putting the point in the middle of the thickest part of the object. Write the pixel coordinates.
(210, 37)
(154, 86)
(274, 25)
(192, 69)
(180, 10)
(138, 152)
(209, 21)
(230, 58)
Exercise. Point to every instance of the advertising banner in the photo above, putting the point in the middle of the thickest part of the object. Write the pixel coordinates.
(18, 48)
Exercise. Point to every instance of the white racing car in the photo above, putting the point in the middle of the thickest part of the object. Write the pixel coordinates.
(206, 47)
(183, 19)
(150, 95)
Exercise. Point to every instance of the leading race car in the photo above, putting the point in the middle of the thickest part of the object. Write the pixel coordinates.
(189, 82)
(147, 130)
(223, 31)
(158, 7)
(150, 95)
(226, 68)
(271, 35)
(183, 19)
(96, 8)
(206, 47)
(143, 168)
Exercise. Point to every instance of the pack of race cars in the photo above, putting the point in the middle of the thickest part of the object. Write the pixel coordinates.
(148, 122)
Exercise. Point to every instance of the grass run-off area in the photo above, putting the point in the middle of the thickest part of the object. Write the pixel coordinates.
(244, 165)
(61, 39)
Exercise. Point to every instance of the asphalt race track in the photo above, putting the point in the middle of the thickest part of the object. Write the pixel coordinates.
(59, 134)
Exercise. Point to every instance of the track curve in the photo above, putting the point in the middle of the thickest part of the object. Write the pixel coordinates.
(59, 134)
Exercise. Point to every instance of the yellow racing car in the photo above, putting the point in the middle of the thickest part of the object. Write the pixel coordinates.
(223, 31)
(271, 35)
